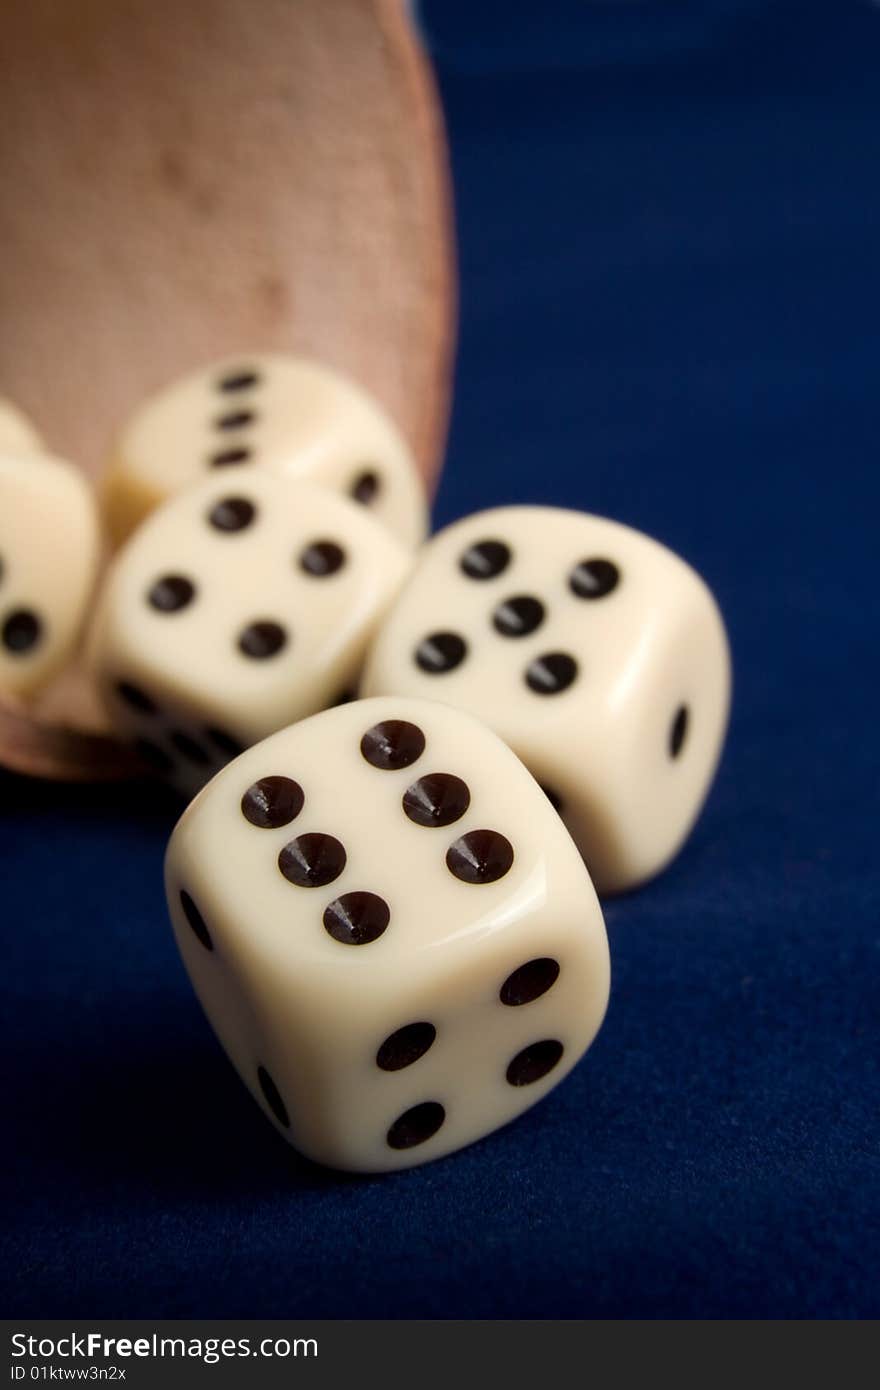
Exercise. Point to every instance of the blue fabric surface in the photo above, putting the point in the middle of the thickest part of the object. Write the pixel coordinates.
(668, 219)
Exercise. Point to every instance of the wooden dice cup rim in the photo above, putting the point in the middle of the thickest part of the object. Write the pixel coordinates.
(141, 135)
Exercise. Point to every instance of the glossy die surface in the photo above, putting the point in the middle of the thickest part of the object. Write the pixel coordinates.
(234, 610)
(389, 929)
(594, 651)
(284, 413)
(49, 552)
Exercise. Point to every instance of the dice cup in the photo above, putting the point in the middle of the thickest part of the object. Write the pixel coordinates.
(185, 181)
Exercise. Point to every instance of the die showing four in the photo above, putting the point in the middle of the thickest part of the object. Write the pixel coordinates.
(390, 930)
(292, 416)
(236, 609)
(597, 654)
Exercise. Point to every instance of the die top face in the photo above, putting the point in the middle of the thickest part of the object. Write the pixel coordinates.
(17, 434)
(594, 651)
(49, 552)
(376, 837)
(287, 414)
(390, 930)
(524, 615)
(248, 601)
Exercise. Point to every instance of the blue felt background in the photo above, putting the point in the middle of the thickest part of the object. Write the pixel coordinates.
(668, 217)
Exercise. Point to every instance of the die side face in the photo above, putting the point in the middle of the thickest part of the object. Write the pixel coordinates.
(235, 610)
(17, 433)
(291, 416)
(49, 551)
(670, 742)
(395, 902)
(597, 654)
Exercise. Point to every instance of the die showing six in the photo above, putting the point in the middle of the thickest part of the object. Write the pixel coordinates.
(390, 930)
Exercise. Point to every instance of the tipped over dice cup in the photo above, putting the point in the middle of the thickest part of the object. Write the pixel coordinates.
(597, 654)
(390, 930)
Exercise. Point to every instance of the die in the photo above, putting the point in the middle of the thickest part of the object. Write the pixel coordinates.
(17, 434)
(239, 605)
(287, 414)
(595, 652)
(49, 552)
(390, 931)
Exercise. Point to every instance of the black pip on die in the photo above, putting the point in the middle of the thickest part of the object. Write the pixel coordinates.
(390, 930)
(50, 546)
(597, 654)
(238, 606)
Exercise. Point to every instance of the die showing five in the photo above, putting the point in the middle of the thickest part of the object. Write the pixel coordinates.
(597, 654)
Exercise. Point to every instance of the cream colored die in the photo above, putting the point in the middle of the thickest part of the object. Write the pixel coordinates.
(239, 606)
(284, 413)
(594, 651)
(17, 434)
(49, 552)
(390, 930)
